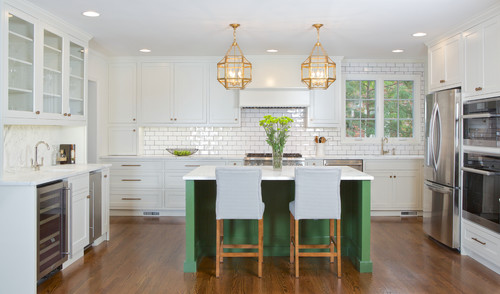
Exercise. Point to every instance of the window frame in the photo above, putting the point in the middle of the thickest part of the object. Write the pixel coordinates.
(379, 108)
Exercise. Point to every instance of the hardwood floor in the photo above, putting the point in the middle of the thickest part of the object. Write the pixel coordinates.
(145, 255)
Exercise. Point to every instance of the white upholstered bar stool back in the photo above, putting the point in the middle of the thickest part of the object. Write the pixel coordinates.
(317, 196)
(239, 196)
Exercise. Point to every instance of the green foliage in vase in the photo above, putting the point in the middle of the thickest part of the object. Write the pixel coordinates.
(277, 131)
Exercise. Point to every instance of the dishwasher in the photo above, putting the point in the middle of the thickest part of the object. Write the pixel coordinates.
(95, 207)
(354, 163)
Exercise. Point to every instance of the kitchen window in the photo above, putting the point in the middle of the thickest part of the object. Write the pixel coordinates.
(379, 106)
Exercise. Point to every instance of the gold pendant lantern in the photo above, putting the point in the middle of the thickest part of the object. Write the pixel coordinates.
(318, 71)
(234, 71)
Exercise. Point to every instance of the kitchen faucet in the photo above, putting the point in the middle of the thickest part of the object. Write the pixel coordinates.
(35, 165)
(384, 140)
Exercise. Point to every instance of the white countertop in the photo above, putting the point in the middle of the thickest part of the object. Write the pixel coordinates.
(240, 157)
(29, 177)
(268, 174)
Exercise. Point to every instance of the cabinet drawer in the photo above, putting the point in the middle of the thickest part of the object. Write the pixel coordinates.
(482, 242)
(175, 198)
(79, 184)
(137, 165)
(314, 162)
(235, 162)
(136, 199)
(191, 164)
(125, 179)
(392, 164)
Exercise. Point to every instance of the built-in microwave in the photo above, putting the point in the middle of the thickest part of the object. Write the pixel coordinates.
(481, 189)
(481, 122)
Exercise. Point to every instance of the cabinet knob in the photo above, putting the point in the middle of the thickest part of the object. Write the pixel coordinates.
(69, 114)
(37, 112)
(314, 163)
(394, 176)
(390, 177)
(171, 119)
(105, 176)
(478, 89)
(442, 81)
(88, 196)
(133, 130)
(236, 119)
(133, 119)
(175, 118)
(234, 163)
(65, 114)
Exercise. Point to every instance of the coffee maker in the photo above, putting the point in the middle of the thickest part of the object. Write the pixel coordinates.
(66, 154)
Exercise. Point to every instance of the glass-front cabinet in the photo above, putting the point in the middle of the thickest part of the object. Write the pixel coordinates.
(46, 73)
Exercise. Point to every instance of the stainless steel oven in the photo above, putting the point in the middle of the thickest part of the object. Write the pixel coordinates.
(481, 120)
(53, 223)
(481, 189)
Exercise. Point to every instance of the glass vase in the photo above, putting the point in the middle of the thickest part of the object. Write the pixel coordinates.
(277, 159)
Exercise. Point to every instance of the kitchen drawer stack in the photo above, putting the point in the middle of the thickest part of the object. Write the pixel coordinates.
(481, 244)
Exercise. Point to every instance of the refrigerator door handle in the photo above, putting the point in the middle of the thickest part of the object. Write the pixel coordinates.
(437, 151)
(431, 136)
(438, 188)
(480, 171)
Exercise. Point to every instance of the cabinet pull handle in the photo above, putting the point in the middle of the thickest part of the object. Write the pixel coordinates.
(394, 176)
(105, 176)
(133, 130)
(236, 119)
(442, 81)
(234, 163)
(175, 118)
(69, 114)
(37, 112)
(478, 89)
(133, 119)
(127, 198)
(65, 114)
(192, 165)
(88, 196)
(482, 243)
(131, 165)
(390, 177)
(171, 119)
(131, 180)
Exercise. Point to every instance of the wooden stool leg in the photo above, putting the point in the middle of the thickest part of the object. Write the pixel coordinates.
(296, 234)
(217, 249)
(261, 245)
(332, 246)
(292, 228)
(339, 255)
(222, 239)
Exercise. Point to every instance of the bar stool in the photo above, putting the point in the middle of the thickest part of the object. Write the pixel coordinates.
(317, 196)
(239, 196)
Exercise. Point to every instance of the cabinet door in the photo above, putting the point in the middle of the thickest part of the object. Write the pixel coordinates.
(452, 61)
(156, 93)
(105, 202)
(122, 93)
(80, 221)
(473, 61)
(122, 141)
(407, 190)
(224, 108)
(492, 55)
(77, 81)
(382, 193)
(437, 65)
(190, 93)
(52, 75)
(325, 107)
(20, 101)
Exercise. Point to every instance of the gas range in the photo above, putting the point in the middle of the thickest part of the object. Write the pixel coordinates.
(266, 159)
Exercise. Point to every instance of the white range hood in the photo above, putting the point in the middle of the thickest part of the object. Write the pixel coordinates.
(275, 97)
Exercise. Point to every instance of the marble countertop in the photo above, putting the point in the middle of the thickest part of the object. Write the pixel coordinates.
(29, 177)
(268, 174)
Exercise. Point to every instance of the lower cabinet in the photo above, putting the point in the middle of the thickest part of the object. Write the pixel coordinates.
(481, 244)
(79, 229)
(397, 185)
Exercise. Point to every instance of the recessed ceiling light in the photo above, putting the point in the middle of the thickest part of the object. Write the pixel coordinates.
(419, 34)
(398, 51)
(145, 50)
(91, 13)
(272, 50)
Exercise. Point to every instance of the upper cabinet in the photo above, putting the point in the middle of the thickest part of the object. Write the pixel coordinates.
(224, 108)
(190, 93)
(482, 60)
(444, 64)
(46, 70)
(122, 93)
(156, 93)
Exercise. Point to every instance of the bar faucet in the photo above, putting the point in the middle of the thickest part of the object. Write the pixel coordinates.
(383, 151)
(35, 165)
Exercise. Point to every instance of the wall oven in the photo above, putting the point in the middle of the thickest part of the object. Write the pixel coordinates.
(53, 224)
(481, 121)
(481, 189)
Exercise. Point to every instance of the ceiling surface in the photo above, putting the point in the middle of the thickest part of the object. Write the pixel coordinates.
(352, 28)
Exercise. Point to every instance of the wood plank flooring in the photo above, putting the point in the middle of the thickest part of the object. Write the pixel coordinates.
(146, 255)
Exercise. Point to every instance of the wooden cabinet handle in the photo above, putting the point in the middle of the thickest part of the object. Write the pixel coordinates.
(478, 89)
(127, 198)
(131, 180)
(442, 81)
(482, 243)
(131, 165)
(37, 112)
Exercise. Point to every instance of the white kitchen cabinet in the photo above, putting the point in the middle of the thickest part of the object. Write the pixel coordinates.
(223, 105)
(481, 244)
(314, 162)
(46, 73)
(397, 185)
(80, 201)
(325, 105)
(190, 93)
(156, 93)
(482, 44)
(122, 140)
(122, 93)
(444, 64)
(105, 202)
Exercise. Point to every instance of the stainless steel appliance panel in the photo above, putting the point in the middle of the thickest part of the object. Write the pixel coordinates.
(481, 120)
(441, 214)
(95, 211)
(354, 163)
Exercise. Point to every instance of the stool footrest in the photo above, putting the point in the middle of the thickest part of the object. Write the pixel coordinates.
(239, 254)
(316, 254)
(241, 246)
(319, 246)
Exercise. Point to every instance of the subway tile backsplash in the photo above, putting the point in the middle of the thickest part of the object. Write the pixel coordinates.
(250, 137)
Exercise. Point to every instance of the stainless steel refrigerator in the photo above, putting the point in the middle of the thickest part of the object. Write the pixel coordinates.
(441, 203)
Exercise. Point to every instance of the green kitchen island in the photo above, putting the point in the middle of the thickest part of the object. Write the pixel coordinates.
(277, 191)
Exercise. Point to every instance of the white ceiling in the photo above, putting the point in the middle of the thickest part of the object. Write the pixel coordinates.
(352, 28)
